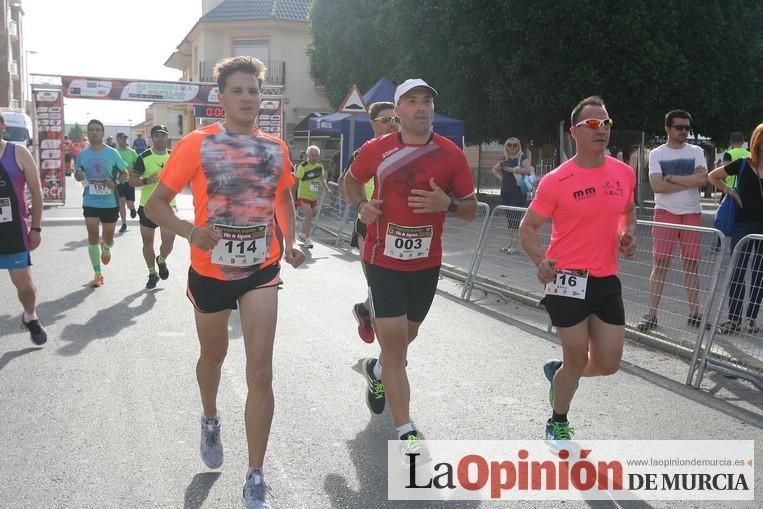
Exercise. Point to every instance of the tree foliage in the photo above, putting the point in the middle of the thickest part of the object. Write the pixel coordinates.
(76, 132)
(519, 66)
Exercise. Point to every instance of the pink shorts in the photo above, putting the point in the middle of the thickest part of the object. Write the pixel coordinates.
(302, 201)
(664, 239)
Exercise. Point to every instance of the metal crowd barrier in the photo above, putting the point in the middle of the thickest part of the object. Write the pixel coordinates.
(459, 243)
(487, 255)
(334, 215)
(731, 351)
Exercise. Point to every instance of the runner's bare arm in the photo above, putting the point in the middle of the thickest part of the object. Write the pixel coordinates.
(628, 231)
(32, 177)
(356, 196)
(285, 216)
(159, 210)
(423, 201)
(528, 234)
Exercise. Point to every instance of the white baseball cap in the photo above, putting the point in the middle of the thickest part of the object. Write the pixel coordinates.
(409, 85)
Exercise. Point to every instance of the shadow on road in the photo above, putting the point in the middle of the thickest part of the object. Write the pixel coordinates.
(368, 451)
(107, 323)
(198, 491)
(9, 356)
(73, 245)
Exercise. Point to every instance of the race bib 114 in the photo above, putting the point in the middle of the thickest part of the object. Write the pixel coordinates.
(241, 246)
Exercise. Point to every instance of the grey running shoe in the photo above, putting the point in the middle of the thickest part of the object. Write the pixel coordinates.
(257, 494)
(123, 228)
(375, 397)
(211, 448)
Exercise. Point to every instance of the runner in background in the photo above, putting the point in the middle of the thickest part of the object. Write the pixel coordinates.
(311, 177)
(17, 236)
(124, 189)
(100, 169)
(383, 121)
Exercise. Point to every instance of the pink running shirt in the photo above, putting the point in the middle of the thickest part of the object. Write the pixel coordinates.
(586, 207)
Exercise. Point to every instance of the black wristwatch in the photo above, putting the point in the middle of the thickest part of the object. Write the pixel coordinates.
(36, 229)
(453, 205)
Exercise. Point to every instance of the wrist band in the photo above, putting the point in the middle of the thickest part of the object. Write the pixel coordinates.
(190, 235)
(360, 204)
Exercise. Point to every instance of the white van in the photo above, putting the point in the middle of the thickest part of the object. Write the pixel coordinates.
(18, 127)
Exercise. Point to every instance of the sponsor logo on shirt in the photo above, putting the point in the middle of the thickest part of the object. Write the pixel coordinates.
(610, 190)
(584, 194)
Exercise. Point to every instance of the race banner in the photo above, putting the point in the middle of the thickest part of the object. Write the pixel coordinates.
(83, 87)
(49, 114)
(270, 119)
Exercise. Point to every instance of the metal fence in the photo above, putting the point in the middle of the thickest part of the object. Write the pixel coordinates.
(487, 255)
(334, 215)
(459, 242)
(734, 346)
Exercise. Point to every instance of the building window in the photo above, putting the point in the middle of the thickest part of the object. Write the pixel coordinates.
(257, 48)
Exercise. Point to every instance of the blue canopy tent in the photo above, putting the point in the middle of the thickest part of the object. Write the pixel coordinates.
(383, 90)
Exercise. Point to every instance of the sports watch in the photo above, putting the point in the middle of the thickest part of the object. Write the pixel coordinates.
(453, 205)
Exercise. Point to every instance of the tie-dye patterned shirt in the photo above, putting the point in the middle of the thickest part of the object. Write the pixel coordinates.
(236, 181)
(401, 240)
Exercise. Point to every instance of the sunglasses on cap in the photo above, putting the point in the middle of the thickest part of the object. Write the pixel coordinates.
(681, 127)
(595, 123)
(387, 120)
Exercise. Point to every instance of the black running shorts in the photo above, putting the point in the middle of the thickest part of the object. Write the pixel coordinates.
(144, 220)
(210, 295)
(396, 293)
(603, 299)
(126, 191)
(108, 215)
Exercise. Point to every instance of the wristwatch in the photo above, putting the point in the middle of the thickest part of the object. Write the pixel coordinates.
(453, 205)
(669, 178)
(36, 229)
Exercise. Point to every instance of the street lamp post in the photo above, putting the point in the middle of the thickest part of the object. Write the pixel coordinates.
(27, 84)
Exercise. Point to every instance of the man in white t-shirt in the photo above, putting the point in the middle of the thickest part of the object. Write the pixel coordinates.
(676, 171)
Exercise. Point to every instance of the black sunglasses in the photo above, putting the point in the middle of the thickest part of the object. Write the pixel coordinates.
(681, 127)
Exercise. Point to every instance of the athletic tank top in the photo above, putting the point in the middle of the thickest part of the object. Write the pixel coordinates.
(13, 210)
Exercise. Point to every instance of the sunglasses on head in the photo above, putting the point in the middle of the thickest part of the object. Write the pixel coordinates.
(387, 120)
(595, 123)
(681, 127)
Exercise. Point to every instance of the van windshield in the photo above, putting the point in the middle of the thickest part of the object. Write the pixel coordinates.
(15, 134)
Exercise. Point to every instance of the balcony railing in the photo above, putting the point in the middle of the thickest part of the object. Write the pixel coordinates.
(13, 68)
(275, 75)
(13, 28)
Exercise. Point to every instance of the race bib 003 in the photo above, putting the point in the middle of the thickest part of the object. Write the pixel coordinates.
(241, 246)
(568, 283)
(98, 188)
(408, 242)
(6, 212)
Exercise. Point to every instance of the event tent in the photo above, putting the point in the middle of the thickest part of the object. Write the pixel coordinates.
(338, 123)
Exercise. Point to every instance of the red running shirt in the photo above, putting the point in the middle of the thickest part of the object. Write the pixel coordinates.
(586, 207)
(401, 240)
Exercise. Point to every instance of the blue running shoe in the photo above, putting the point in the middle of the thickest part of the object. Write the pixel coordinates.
(549, 369)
